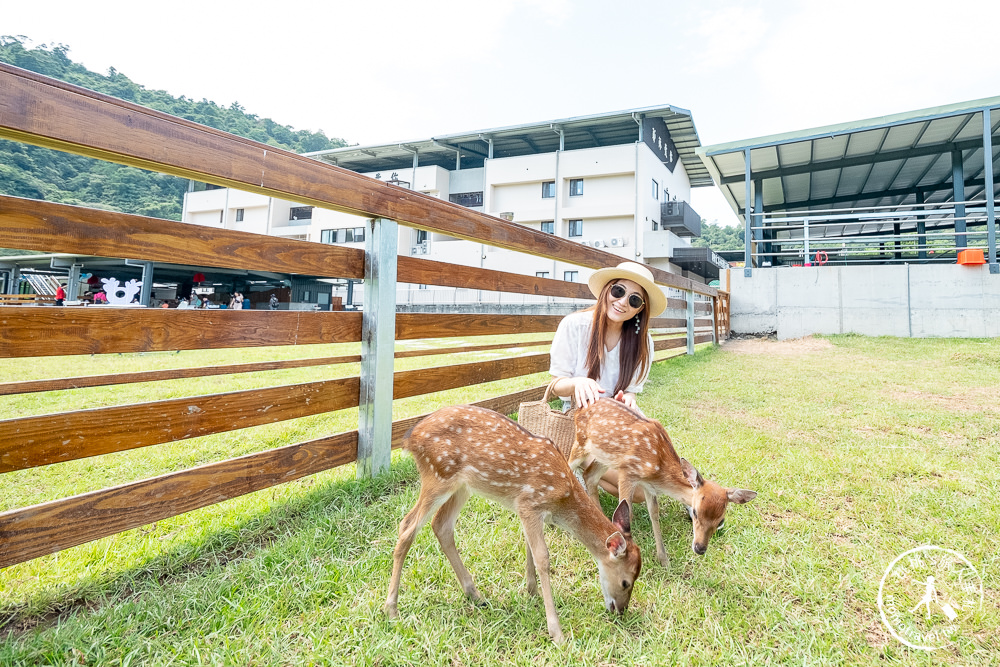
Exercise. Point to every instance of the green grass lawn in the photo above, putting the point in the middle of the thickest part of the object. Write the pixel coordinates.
(860, 448)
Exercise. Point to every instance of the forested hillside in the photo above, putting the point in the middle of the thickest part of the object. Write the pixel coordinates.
(40, 173)
(720, 237)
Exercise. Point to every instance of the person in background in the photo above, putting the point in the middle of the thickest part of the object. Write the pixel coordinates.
(273, 303)
(60, 295)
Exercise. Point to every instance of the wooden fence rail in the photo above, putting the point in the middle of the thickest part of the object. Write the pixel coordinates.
(41, 111)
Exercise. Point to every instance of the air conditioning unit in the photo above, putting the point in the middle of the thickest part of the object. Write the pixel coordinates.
(586, 243)
(619, 242)
(599, 243)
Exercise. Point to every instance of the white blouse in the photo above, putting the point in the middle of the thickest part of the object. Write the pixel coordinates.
(568, 357)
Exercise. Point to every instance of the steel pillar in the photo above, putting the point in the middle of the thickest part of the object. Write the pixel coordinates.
(991, 218)
(748, 260)
(958, 192)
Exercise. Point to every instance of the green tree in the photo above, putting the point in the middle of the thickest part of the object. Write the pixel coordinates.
(720, 237)
(40, 173)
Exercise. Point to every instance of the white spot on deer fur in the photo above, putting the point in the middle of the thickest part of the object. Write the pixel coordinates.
(528, 488)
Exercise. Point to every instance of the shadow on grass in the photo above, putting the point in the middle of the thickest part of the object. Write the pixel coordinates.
(198, 556)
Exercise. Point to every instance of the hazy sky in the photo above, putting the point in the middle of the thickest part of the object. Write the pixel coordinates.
(387, 70)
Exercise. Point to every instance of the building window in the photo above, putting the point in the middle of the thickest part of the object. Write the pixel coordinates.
(351, 235)
(576, 228)
(239, 215)
(300, 213)
(656, 190)
(541, 274)
(548, 189)
(575, 187)
(549, 226)
(421, 236)
(570, 276)
(467, 199)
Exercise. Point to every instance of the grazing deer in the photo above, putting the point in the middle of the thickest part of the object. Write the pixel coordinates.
(463, 450)
(610, 435)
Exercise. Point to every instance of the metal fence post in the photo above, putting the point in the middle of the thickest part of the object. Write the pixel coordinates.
(378, 338)
(690, 322)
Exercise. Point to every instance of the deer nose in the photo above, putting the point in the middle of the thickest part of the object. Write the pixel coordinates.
(700, 549)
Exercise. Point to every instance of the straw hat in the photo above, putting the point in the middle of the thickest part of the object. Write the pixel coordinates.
(656, 301)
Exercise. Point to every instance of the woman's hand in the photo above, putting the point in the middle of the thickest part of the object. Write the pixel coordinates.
(627, 399)
(586, 391)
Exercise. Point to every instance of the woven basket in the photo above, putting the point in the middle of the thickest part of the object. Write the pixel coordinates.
(540, 419)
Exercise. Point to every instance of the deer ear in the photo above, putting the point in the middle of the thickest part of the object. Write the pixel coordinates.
(622, 518)
(616, 544)
(693, 476)
(741, 495)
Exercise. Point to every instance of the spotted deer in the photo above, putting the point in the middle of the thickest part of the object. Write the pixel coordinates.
(611, 435)
(463, 450)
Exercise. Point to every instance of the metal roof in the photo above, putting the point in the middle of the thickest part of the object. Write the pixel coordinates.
(606, 129)
(881, 161)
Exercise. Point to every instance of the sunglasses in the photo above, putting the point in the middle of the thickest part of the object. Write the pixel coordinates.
(634, 300)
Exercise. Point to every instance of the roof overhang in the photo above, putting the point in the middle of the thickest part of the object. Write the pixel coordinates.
(885, 161)
(607, 129)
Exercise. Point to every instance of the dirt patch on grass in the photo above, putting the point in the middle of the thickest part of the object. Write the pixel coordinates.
(792, 347)
(975, 399)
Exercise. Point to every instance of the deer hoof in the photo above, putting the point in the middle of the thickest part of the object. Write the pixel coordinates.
(391, 611)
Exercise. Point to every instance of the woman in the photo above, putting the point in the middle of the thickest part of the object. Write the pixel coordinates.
(607, 350)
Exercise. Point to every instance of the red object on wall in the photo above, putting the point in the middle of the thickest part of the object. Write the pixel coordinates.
(198, 277)
(971, 256)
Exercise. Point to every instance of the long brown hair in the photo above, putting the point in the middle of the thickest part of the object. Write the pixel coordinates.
(633, 351)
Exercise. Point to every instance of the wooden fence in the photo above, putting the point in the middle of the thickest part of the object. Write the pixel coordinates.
(45, 112)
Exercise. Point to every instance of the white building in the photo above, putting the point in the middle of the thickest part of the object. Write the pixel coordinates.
(618, 181)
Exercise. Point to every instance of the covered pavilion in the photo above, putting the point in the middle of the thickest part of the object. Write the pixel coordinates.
(907, 188)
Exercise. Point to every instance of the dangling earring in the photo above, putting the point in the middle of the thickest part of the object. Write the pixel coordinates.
(637, 325)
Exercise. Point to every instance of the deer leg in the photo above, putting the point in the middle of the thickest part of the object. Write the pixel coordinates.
(408, 529)
(653, 505)
(591, 476)
(444, 528)
(540, 553)
(529, 568)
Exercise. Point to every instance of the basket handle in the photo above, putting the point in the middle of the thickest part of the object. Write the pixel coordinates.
(545, 397)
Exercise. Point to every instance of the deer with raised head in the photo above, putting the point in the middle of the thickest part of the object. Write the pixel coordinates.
(463, 450)
(611, 435)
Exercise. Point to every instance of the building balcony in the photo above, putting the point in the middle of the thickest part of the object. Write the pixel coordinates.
(702, 262)
(679, 218)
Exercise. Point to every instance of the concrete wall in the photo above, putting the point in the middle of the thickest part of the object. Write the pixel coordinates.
(919, 301)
